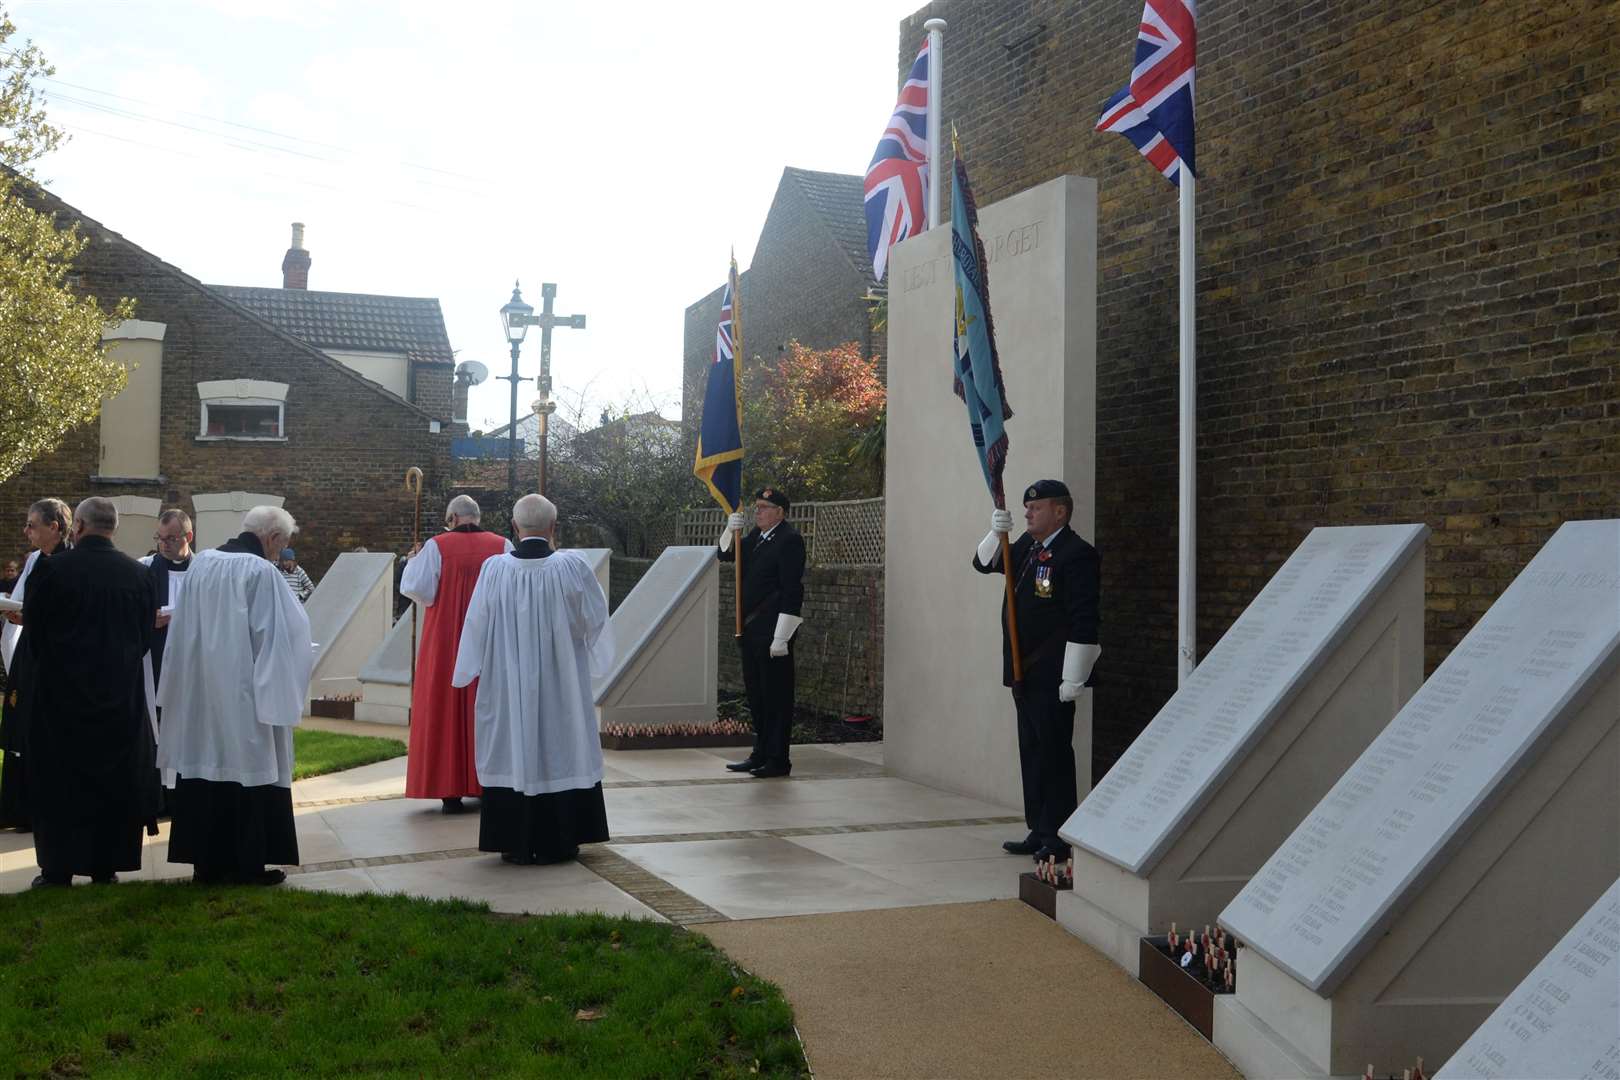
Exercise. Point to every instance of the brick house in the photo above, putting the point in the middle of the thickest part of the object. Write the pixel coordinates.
(225, 410)
(809, 281)
(1408, 289)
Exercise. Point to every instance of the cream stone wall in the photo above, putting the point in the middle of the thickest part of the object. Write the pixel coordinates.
(947, 720)
(129, 419)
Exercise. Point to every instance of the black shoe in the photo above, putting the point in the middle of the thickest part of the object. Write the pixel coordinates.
(746, 765)
(1060, 852)
(770, 770)
(105, 879)
(1029, 845)
(46, 881)
(454, 806)
(265, 877)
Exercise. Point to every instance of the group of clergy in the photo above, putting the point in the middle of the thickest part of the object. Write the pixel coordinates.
(501, 705)
(123, 687)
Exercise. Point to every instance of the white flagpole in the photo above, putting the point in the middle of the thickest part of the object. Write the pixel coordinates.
(936, 37)
(1187, 608)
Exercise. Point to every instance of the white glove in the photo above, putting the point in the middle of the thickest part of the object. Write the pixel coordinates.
(785, 626)
(1078, 660)
(734, 523)
(1000, 525)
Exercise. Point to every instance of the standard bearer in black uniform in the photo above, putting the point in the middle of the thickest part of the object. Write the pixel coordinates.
(772, 595)
(1056, 597)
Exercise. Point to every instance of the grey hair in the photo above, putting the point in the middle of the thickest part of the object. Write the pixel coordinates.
(174, 513)
(54, 510)
(462, 506)
(263, 521)
(534, 513)
(99, 515)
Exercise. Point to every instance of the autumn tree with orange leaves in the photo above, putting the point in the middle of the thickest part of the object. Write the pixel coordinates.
(804, 417)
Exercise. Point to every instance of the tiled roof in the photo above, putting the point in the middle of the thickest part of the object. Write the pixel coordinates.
(838, 200)
(410, 325)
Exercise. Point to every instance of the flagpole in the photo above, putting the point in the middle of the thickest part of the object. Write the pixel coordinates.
(936, 38)
(1187, 608)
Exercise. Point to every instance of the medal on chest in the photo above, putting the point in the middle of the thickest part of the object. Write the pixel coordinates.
(1043, 580)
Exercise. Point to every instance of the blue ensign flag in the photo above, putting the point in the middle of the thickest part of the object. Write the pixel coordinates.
(720, 447)
(978, 369)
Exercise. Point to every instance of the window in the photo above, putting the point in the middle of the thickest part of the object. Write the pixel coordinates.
(244, 421)
(243, 409)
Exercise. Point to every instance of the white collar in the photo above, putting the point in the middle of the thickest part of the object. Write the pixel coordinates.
(764, 536)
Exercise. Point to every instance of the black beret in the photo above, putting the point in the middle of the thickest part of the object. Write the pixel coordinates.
(1046, 489)
(773, 495)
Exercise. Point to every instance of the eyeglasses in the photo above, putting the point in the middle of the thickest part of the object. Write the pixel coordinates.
(160, 538)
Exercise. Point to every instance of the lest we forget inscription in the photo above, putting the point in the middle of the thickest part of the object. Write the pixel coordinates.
(1563, 1021)
(1234, 696)
(1517, 674)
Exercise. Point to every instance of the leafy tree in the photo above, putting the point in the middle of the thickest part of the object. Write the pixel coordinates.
(625, 479)
(56, 371)
(805, 418)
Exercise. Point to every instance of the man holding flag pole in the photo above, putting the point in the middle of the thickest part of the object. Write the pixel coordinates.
(768, 562)
(1049, 616)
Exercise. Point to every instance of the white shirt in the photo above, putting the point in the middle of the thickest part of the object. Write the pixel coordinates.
(235, 673)
(10, 632)
(420, 581)
(536, 632)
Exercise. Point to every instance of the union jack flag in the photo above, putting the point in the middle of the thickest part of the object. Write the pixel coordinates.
(1155, 111)
(720, 447)
(897, 179)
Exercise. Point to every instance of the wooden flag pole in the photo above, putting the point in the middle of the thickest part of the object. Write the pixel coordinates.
(736, 575)
(1012, 612)
(413, 473)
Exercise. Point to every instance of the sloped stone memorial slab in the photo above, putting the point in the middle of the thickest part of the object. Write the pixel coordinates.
(1311, 671)
(1563, 1021)
(350, 613)
(1457, 850)
(667, 664)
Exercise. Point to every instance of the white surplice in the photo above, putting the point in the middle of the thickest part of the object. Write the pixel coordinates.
(536, 631)
(10, 632)
(420, 579)
(236, 673)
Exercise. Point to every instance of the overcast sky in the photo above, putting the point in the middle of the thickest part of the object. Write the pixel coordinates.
(444, 149)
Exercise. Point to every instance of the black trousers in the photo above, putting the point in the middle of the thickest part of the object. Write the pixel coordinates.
(768, 682)
(1046, 759)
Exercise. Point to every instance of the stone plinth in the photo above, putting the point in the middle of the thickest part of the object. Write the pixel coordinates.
(667, 650)
(1457, 850)
(947, 720)
(1291, 695)
(350, 612)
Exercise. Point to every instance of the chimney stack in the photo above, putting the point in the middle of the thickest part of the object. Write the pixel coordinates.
(295, 264)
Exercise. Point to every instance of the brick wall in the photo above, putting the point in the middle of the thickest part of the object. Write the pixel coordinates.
(1407, 288)
(837, 652)
(341, 469)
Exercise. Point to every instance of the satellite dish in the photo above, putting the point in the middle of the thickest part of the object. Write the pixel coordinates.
(471, 372)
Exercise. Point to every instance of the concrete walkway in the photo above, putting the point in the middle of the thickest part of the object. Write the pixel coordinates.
(692, 843)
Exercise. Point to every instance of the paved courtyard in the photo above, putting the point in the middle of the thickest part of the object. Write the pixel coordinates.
(692, 842)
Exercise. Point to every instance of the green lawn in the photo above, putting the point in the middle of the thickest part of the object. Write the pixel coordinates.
(316, 753)
(167, 980)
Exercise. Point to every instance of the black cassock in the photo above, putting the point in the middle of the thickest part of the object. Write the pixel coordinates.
(772, 585)
(92, 777)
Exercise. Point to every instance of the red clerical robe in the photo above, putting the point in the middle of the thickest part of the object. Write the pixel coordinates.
(441, 763)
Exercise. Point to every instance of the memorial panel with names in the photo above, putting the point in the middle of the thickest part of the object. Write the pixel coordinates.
(1242, 686)
(1563, 1021)
(1516, 675)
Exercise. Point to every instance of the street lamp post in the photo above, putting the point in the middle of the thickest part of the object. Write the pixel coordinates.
(514, 318)
(517, 317)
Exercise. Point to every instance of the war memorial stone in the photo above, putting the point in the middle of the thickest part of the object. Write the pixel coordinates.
(947, 720)
(667, 654)
(1462, 844)
(1563, 1021)
(1312, 670)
